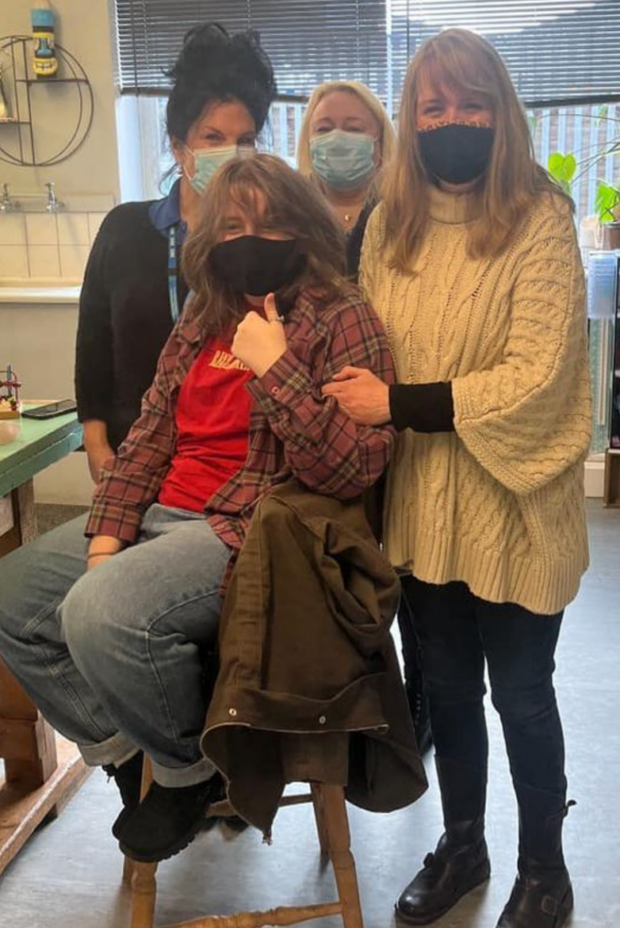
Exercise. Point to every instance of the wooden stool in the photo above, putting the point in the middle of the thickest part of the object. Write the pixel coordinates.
(332, 827)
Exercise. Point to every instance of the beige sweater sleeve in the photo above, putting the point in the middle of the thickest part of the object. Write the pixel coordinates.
(527, 419)
(371, 247)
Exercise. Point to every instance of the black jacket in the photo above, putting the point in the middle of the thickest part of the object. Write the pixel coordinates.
(124, 318)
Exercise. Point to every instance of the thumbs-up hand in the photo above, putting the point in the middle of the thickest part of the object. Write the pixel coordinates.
(258, 341)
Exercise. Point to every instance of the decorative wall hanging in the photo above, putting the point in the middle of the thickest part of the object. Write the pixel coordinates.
(67, 91)
(44, 62)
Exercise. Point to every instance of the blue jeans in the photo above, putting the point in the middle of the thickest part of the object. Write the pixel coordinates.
(112, 657)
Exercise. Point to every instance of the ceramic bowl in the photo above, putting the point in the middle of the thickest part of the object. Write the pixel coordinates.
(9, 430)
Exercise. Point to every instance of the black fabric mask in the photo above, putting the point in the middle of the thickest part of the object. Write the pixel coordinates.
(456, 153)
(257, 266)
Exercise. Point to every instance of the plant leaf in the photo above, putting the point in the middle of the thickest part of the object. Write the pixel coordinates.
(555, 163)
(601, 113)
(607, 197)
(562, 168)
(570, 166)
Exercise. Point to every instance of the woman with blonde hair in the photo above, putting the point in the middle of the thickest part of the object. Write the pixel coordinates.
(346, 138)
(472, 263)
(108, 641)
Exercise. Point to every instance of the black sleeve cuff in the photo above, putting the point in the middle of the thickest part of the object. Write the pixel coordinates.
(423, 407)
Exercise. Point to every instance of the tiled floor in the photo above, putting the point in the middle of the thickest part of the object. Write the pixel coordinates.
(69, 874)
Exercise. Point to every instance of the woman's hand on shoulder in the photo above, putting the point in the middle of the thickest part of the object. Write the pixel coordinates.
(258, 341)
(361, 395)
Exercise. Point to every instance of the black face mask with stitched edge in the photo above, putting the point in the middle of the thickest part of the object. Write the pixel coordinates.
(257, 266)
(456, 153)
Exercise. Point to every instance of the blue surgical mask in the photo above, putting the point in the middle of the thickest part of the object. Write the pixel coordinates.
(208, 160)
(343, 160)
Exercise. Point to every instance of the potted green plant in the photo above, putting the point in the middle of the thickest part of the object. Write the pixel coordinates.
(607, 202)
(565, 169)
(608, 211)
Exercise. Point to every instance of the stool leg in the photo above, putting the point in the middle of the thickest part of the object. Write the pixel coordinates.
(147, 778)
(339, 839)
(319, 815)
(142, 876)
(143, 894)
(128, 871)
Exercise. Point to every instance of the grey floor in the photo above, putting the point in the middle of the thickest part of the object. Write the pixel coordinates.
(69, 874)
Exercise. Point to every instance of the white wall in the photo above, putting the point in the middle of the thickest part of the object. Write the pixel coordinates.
(39, 342)
(84, 28)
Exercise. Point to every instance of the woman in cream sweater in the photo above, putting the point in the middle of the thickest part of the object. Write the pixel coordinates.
(472, 263)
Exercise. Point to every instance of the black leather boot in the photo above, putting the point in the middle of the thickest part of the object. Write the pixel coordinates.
(460, 861)
(128, 778)
(168, 819)
(542, 896)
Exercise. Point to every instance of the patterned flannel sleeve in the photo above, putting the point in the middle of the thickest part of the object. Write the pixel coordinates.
(327, 451)
(132, 481)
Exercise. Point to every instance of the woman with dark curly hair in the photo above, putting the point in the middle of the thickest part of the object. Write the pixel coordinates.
(133, 292)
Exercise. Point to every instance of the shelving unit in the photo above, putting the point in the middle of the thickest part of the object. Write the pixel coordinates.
(611, 487)
(42, 81)
(18, 48)
(611, 492)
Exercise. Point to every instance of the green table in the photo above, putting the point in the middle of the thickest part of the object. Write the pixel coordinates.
(41, 769)
(41, 443)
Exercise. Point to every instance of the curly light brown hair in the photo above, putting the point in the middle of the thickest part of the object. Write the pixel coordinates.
(276, 197)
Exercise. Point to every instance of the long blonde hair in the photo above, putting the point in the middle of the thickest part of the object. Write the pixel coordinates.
(272, 194)
(387, 135)
(462, 60)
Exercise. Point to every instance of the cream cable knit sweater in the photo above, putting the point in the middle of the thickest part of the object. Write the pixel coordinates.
(500, 503)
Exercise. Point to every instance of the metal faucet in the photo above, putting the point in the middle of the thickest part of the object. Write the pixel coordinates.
(53, 205)
(7, 205)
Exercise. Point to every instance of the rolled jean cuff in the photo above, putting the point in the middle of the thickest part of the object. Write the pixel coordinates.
(183, 776)
(117, 748)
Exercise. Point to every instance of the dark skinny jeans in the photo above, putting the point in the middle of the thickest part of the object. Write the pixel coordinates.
(457, 631)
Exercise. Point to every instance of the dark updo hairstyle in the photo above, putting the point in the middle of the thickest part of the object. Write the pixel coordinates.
(214, 66)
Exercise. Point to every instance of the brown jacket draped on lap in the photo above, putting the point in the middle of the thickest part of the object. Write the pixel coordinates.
(309, 686)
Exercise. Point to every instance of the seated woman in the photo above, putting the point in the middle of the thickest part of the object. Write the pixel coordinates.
(108, 643)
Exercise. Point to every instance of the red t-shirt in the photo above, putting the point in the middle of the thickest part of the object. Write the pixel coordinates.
(212, 420)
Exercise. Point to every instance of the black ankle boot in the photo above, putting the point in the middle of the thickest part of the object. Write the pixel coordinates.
(542, 896)
(167, 819)
(128, 779)
(460, 861)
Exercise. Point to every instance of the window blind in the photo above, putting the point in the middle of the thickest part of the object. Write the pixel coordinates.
(558, 51)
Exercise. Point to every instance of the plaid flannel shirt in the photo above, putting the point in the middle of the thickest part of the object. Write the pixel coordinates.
(294, 430)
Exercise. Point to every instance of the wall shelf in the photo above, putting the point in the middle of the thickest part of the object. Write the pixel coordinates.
(51, 80)
(25, 147)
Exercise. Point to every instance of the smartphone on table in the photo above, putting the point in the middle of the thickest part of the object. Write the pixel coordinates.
(50, 410)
